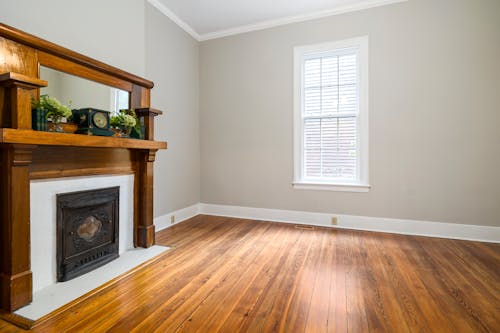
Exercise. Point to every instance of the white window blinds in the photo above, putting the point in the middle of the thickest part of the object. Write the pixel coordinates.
(330, 108)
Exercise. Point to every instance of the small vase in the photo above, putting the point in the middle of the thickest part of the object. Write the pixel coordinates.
(56, 125)
(125, 132)
(122, 132)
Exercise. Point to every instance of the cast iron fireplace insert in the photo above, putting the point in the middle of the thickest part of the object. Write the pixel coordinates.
(87, 231)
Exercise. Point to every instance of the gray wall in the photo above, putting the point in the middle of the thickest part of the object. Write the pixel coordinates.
(131, 35)
(172, 63)
(434, 103)
(103, 30)
(434, 114)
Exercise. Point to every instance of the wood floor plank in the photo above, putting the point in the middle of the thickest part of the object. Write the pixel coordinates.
(388, 300)
(258, 310)
(357, 317)
(149, 302)
(245, 264)
(337, 306)
(462, 292)
(285, 284)
(412, 312)
(373, 279)
(317, 314)
(438, 290)
(180, 307)
(232, 275)
(471, 270)
(141, 297)
(213, 310)
(301, 299)
(429, 315)
(251, 296)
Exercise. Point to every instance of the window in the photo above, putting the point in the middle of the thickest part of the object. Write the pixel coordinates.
(119, 100)
(331, 116)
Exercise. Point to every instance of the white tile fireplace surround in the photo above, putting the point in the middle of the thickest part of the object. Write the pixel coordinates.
(48, 294)
(43, 219)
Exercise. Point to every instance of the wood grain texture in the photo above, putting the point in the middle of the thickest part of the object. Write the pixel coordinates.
(233, 275)
(139, 97)
(18, 90)
(15, 266)
(13, 77)
(56, 162)
(148, 119)
(8, 135)
(145, 231)
(17, 58)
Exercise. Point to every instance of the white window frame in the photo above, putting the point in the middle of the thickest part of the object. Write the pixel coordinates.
(361, 184)
(114, 100)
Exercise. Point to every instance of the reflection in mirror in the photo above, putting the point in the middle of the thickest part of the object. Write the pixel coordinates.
(81, 92)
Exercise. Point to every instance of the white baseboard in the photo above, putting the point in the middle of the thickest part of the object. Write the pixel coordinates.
(164, 221)
(398, 226)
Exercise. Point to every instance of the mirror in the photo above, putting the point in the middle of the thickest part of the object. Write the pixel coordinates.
(81, 92)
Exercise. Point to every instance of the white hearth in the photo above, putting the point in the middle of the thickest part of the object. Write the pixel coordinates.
(43, 219)
(48, 294)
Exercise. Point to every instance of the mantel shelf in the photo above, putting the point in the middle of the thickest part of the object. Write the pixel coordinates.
(9, 135)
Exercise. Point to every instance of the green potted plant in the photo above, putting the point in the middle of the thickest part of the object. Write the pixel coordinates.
(138, 130)
(123, 122)
(53, 110)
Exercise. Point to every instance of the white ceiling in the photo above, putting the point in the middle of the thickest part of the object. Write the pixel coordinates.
(206, 19)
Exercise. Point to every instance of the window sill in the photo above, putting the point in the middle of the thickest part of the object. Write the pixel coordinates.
(331, 187)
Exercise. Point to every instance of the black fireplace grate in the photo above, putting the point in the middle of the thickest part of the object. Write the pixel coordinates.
(87, 231)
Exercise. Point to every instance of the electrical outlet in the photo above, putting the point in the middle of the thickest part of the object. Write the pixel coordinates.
(334, 220)
(172, 219)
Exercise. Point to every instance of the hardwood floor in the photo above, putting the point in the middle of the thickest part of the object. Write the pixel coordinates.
(231, 275)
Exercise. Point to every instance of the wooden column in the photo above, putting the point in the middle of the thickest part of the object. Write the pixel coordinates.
(145, 231)
(19, 97)
(148, 118)
(15, 270)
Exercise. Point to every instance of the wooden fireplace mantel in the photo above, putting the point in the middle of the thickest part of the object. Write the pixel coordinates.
(30, 137)
(27, 154)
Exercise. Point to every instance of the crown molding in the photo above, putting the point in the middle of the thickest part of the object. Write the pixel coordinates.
(176, 19)
(298, 18)
(270, 23)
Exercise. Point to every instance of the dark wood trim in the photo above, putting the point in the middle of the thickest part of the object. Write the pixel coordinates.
(15, 271)
(57, 162)
(148, 111)
(81, 172)
(8, 135)
(18, 92)
(145, 227)
(148, 115)
(17, 320)
(32, 82)
(62, 52)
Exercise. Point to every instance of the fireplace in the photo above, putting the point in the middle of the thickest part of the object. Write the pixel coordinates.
(87, 231)
(28, 155)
